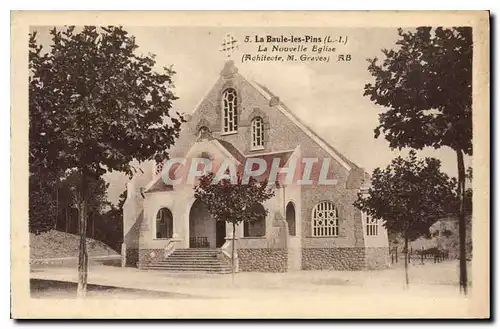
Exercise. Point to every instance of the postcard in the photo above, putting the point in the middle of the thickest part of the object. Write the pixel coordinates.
(226, 165)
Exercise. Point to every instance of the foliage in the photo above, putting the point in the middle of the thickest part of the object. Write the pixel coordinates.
(97, 199)
(233, 203)
(109, 228)
(42, 204)
(447, 233)
(94, 103)
(426, 87)
(94, 106)
(409, 195)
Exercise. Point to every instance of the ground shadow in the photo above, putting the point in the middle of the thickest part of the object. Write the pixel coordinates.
(111, 262)
(62, 289)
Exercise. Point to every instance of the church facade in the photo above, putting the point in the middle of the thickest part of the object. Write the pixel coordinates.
(309, 226)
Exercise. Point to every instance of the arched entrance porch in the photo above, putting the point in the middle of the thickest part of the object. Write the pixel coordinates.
(204, 231)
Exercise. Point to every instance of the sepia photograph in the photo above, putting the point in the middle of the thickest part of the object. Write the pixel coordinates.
(314, 166)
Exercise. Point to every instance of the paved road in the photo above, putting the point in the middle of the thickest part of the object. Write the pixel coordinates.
(428, 279)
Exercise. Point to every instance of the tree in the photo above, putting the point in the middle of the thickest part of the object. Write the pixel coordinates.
(109, 228)
(95, 105)
(97, 200)
(426, 86)
(42, 203)
(409, 195)
(233, 203)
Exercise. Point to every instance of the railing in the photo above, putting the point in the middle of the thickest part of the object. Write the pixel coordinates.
(198, 242)
(421, 256)
(171, 246)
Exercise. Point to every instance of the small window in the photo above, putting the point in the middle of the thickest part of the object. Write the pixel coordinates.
(290, 218)
(325, 220)
(371, 226)
(164, 224)
(230, 110)
(257, 133)
(203, 131)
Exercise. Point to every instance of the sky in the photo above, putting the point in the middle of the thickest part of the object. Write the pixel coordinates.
(328, 97)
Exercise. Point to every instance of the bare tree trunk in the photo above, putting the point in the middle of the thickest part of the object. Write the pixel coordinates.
(82, 251)
(67, 220)
(57, 207)
(232, 252)
(461, 221)
(406, 260)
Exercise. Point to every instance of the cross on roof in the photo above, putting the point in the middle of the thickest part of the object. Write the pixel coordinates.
(229, 45)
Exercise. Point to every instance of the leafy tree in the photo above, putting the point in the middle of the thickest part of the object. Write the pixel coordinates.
(121, 200)
(95, 105)
(233, 203)
(409, 196)
(42, 203)
(426, 86)
(109, 228)
(97, 191)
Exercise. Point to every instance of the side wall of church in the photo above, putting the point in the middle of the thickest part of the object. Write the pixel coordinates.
(150, 247)
(133, 215)
(377, 248)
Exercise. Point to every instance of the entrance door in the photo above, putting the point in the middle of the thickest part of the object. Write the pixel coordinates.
(201, 227)
(220, 233)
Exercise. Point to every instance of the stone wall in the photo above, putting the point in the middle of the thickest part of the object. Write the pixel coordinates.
(333, 258)
(148, 256)
(377, 258)
(263, 260)
(131, 257)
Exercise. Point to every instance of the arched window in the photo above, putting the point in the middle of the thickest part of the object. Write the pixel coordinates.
(230, 110)
(290, 218)
(371, 225)
(256, 228)
(257, 133)
(325, 220)
(164, 224)
(203, 130)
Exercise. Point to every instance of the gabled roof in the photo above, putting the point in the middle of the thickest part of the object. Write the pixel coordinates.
(305, 128)
(230, 69)
(232, 150)
(269, 157)
(283, 157)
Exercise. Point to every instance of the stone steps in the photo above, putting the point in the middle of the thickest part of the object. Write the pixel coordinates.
(193, 260)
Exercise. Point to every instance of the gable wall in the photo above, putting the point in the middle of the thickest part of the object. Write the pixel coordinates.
(280, 134)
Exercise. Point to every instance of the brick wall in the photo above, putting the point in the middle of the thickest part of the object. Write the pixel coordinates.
(263, 260)
(333, 259)
(148, 256)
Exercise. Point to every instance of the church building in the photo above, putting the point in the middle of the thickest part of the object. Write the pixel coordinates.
(307, 226)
